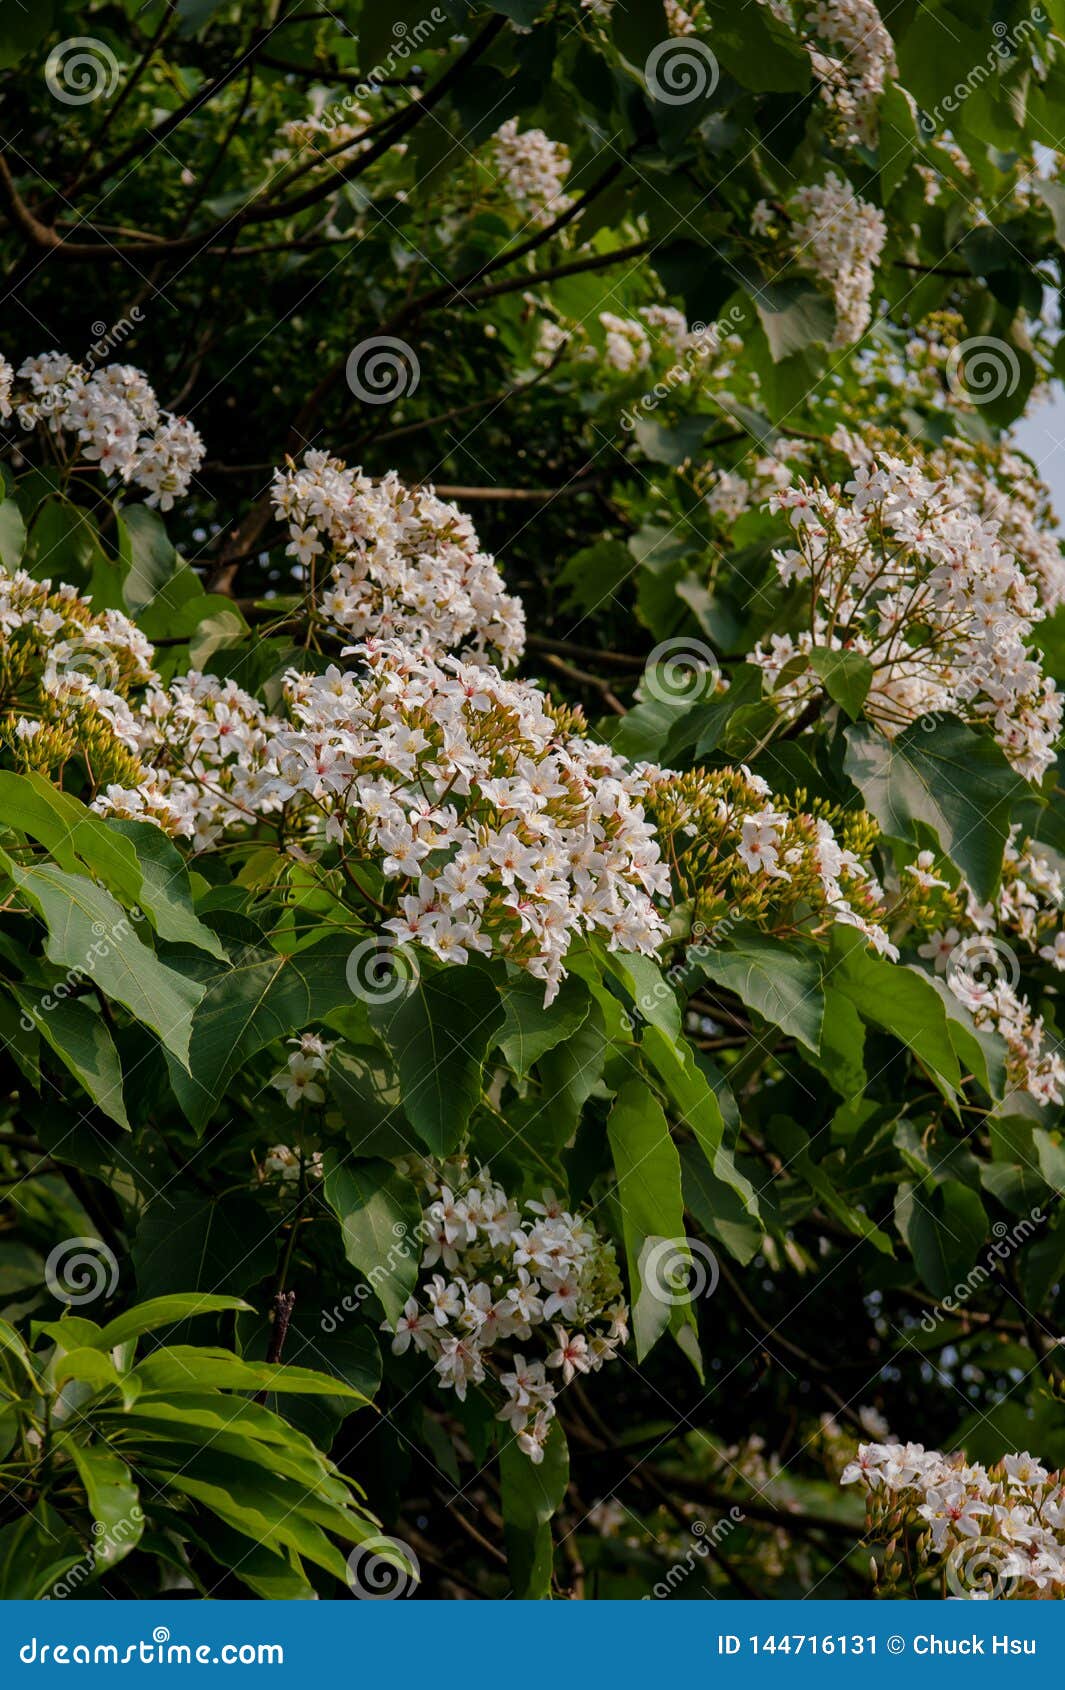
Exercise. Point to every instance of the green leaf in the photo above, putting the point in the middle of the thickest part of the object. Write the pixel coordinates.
(781, 983)
(940, 774)
(569, 1074)
(261, 996)
(757, 49)
(380, 1221)
(717, 1208)
(163, 1311)
(673, 445)
(177, 1368)
(222, 1244)
(269, 1511)
(901, 1000)
(649, 1197)
(113, 1499)
(149, 558)
(899, 138)
(439, 1034)
(36, 1552)
(88, 932)
(698, 1109)
(790, 1138)
(165, 892)
(841, 1055)
(78, 840)
(529, 1030)
(92, 1367)
(944, 1227)
(793, 315)
(12, 535)
(846, 676)
(651, 994)
(531, 1495)
(81, 1039)
(134, 860)
(594, 574)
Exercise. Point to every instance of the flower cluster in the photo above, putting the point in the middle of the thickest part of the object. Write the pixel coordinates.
(734, 492)
(66, 679)
(506, 1284)
(991, 1532)
(682, 22)
(532, 170)
(627, 347)
(962, 942)
(838, 237)
(405, 564)
(738, 854)
(903, 572)
(113, 416)
(322, 133)
(208, 744)
(853, 56)
(1002, 487)
(496, 827)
